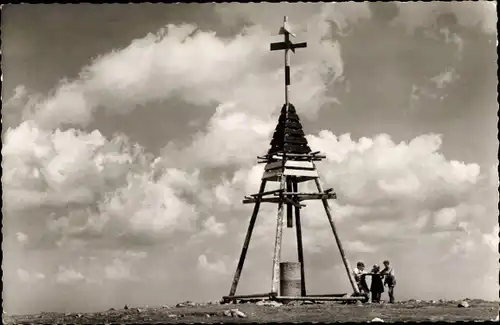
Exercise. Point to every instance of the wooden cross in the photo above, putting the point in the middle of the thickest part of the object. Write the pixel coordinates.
(287, 45)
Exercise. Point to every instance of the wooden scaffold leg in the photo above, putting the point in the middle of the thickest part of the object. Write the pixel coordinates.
(244, 250)
(277, 244)
(289, 207)
(300, 249)
(337, 239)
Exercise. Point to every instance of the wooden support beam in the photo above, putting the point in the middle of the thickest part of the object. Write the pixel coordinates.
(249, 200)
(244, 250)
(277, 244)
(329, 295)
(290, 204)
(312, 196)
(327, 192)
(255, 295)
(319, 298)
(279, 158)
(267, 193)
(300, 155)
(300, 248)
(337, 239)
(278, 155)
(286, 200)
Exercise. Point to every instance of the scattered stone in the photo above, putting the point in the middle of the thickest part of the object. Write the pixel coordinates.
(172, 316)
(234, 313)
(463, 304)
(377, 320)
(112, 309)
(207, 315)
(308, 302)
(359, 303)
(165, 306)
(125, 307)
(237, 313)
(269, 303)
(418, 301)
(185, 304)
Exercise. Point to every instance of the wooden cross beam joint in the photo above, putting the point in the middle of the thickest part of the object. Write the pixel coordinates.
(287, 46)
(312, 196)
(286, 200)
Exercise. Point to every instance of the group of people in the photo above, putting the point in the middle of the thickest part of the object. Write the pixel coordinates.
(379, 279)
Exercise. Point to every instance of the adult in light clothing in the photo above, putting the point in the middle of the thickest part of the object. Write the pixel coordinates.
(390, 279)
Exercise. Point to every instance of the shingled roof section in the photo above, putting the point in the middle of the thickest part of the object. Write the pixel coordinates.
(288, 136)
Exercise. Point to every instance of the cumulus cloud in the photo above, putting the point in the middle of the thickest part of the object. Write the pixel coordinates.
(444, 78)
(468, 14)
(386, 192)
(168, 64)
(22, 238)
(216, 266)
(29, 277)
(67, 275)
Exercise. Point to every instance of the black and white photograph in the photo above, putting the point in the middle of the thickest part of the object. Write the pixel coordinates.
(250, 162)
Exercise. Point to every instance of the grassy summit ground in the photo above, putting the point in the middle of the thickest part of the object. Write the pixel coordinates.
(327, 312)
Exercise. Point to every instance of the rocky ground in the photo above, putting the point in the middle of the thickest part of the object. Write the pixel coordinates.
(308, 311)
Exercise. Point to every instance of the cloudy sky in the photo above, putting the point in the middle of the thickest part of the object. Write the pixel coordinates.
(130, 135)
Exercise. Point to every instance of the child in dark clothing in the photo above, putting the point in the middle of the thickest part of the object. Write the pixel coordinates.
(377, 285)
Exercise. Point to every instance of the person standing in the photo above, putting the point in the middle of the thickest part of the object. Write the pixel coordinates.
(390, 280)
(360, 277)
(377, 285)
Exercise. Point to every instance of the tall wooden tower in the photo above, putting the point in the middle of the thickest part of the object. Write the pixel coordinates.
(289, 161)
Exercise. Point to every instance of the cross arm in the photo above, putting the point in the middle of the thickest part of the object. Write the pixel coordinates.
(287, 45)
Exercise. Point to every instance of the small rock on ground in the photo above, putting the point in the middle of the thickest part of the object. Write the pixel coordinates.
(269, 303)
(463, 304)
(234, 313)
(185, 304)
